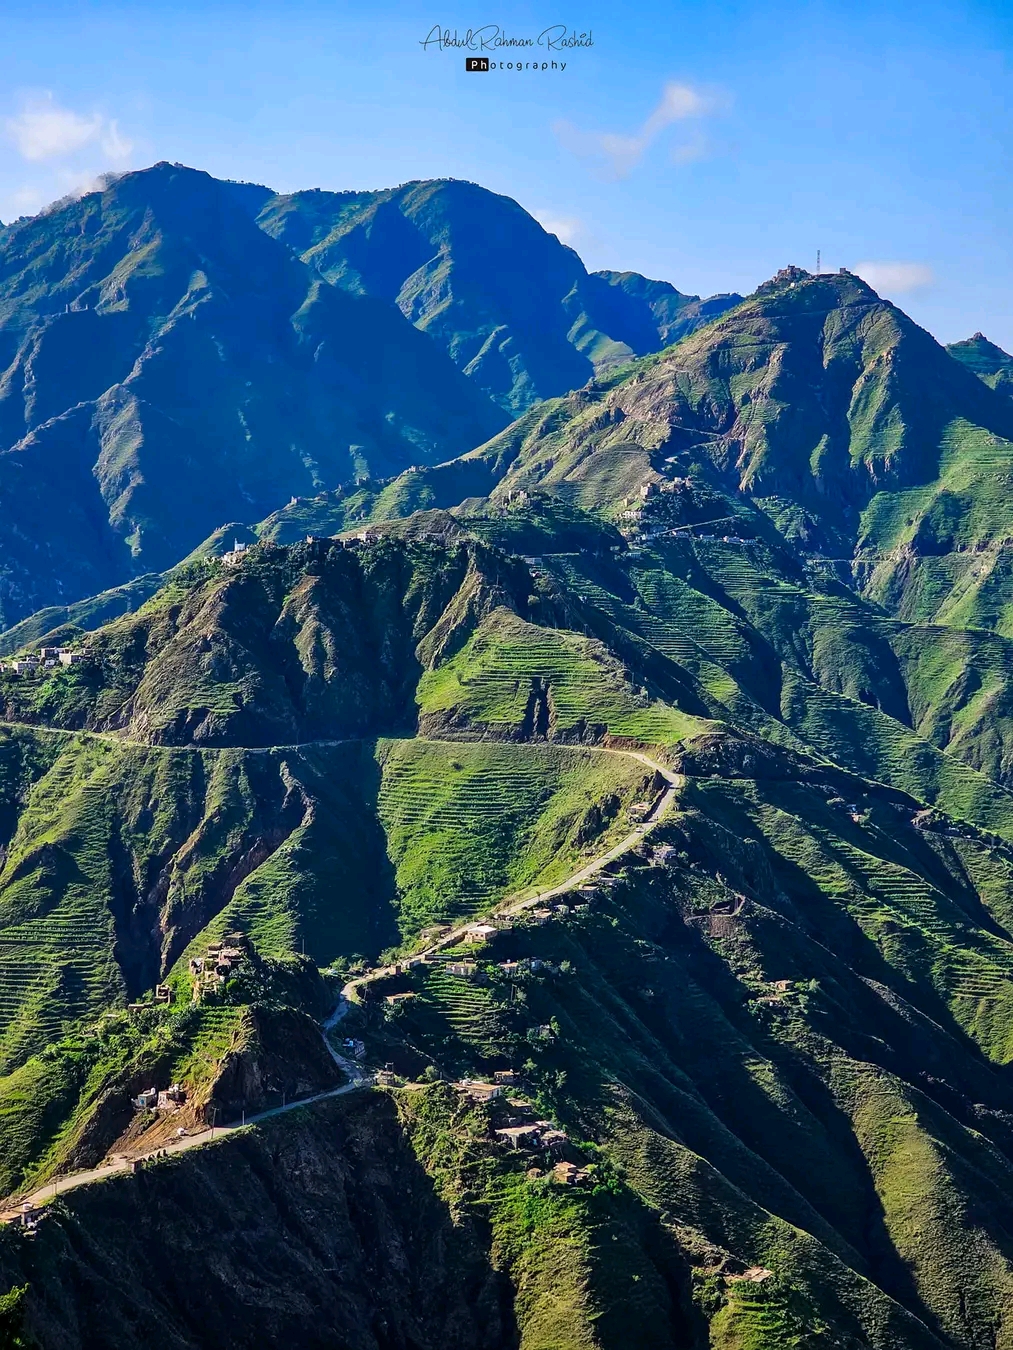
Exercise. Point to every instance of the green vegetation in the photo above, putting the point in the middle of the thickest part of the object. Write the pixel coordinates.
(12, 1318)
(467, 825)
(576, 1257)
(774, 555)
(110, 304)
(520, 316)
(516, 679)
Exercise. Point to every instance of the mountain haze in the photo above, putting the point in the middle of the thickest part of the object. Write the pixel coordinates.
(167, 366)
(988, 361)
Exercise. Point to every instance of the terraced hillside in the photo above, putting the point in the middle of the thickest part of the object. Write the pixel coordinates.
(791, 1038)
(775, 1033)
(121, 861)
(514, 678)
(467, 824)
(815, 414)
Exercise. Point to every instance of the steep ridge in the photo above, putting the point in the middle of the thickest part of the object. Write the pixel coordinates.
(814, 400)
(514, 308)
(776, 1034)
(752, 1031)
(793, 1130)
(319, 642)
(780, 1042)
(151, 335)
(989, 362)
(122, 862)
(325, 642)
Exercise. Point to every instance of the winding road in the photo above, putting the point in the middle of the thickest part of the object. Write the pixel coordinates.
(661, 807)
(357, 1077)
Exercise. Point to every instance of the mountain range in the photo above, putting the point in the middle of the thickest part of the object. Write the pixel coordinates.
(514, 308)
(690, 686)
(164, 332)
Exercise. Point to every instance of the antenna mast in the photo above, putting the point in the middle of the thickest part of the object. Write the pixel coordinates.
(817, 262)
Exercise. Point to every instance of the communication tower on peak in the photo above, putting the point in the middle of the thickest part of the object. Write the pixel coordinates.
(817, 262)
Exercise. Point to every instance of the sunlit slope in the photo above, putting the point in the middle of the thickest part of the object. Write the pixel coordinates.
(468, 824)
(790, 1037)
(804, 662)
(512, 306)
(120, 858)
(814, 412)
(516, 679)
(316, 642)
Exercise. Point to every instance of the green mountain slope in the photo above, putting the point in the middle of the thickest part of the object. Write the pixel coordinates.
(843, 1138)
(814, 414)
(774, 1025)
(989, 362)
(513, 307)
(151, 334)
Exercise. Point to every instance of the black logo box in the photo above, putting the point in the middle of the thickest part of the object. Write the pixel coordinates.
(476, 63)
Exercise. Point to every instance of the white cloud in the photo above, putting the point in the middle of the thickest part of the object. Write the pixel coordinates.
(689, 151)
(895, 277)
(23, 201)
(567, 229)
(43, 130)
(114, 144)
(617, 155)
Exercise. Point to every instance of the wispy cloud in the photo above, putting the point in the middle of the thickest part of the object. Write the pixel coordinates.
(616, 155)
(65, 152)
(567, 229)
(895, 277)
(22, 201)
(42, 130)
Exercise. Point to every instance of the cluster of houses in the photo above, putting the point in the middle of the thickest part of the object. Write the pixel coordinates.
(47, 659)
(151, 1099)
(632, 516)
(653, 488)
(235, 554)
(724, 538)
(522, 1132)
(513, 969)
(218, 964)
(781, 988)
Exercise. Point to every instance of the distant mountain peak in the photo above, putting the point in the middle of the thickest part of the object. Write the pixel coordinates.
(983, 357)
(512, 305)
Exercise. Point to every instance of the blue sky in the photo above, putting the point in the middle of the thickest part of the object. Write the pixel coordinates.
(707, 144)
